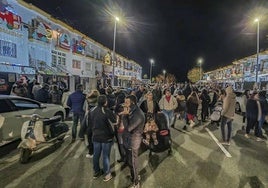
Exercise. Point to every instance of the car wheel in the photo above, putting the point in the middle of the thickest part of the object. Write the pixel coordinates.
(237, 107)
(61, 115)
(25, 155)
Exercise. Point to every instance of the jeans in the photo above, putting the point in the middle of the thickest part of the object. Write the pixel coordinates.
(76, 118)
(169, 115)
(105, 150)
(258, 128)
(132, 161)
(251, 123)
(225, 121)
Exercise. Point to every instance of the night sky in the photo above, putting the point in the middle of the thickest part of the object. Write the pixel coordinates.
(172, 32)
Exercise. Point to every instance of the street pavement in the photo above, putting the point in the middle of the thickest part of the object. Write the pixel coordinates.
(198, 160)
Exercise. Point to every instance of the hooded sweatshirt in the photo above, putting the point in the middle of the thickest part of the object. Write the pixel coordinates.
(229, 103)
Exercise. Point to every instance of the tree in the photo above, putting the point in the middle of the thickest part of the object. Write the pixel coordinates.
(194, 74)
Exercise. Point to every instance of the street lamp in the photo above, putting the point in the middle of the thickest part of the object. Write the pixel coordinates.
(116, 19)
(152, 63)
(200, 62)
(164, 72)
(258, 46)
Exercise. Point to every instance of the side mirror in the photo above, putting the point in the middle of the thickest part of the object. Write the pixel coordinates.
(42, 106)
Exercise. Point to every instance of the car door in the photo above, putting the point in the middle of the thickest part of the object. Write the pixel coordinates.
(9, 123)
(23, 107)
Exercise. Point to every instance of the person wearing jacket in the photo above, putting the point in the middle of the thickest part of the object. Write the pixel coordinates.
(42, 95)
(168, 104)
(228, 112)
(102, 136)
(76, 101)
(251, 113)
(133, 120)
(102, 119)
(263, 112)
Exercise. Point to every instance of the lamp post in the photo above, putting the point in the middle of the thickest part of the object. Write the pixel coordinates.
(258, 46)
(151, 66)
(116, 19)
(164, 72)
(199, 62)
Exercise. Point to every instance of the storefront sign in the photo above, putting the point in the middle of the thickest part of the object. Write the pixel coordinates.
(8, 49)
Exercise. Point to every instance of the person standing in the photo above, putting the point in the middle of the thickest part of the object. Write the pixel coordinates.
(228, 112)
(65, 96)
(168, 104)
(245, 97)
(42, 95)
(251, 113)
(133, 120)
(205, 104)
(192, 103)
(263, 112)
(76, 102)
(102, 136)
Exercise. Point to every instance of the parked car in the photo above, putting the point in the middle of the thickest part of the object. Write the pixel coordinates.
(239, 99)
(13, 106)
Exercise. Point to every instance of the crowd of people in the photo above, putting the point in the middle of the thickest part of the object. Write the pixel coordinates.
(128, 115)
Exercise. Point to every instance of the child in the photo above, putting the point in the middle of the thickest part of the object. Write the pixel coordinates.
(150, 130)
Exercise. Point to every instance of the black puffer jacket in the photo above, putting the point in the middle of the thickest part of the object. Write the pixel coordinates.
(102, 129)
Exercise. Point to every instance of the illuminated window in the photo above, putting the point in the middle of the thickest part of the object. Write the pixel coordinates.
(58, 58)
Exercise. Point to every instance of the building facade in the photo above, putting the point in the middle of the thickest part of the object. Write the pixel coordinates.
(35, 44)
(242, 73)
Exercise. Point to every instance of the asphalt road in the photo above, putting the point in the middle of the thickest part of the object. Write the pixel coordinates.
(198, 160)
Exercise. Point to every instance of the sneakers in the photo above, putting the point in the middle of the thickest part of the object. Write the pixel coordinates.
(226, 143)
(258, 139)
(89, 156)
(97, 174)
(107, 177)
(247, 136)
(135, 185)
(192, 124)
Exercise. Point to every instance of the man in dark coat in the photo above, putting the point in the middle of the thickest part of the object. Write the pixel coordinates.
(76, 102)
(134, 121)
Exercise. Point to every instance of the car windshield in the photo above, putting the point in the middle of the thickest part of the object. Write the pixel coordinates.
(24, 104)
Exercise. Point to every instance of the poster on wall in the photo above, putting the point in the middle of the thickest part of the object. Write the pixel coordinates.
(8, 17)
(42, 31)
(8, 49)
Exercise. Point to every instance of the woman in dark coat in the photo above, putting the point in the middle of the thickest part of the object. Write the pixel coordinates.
(191, 107)
(205, 104)
(149, 106)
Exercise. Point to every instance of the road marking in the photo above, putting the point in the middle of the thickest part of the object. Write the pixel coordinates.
(218, 143)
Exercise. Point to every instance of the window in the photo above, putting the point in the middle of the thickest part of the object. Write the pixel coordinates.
(88, 66)
(6, 106)
(76, 64)
(58, 58)
(24, 104)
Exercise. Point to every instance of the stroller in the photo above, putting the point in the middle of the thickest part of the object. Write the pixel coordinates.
(215, 117)
(162, 135)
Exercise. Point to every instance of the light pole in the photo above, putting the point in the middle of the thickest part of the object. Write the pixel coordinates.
(199, 62)
(164, 72)
(258, 46)
(151, 67)
(116, 19)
